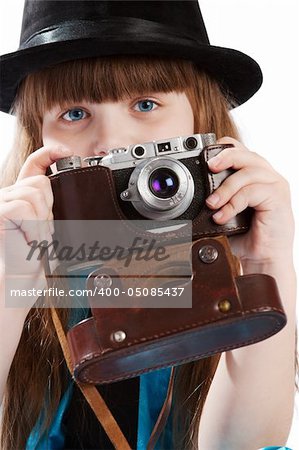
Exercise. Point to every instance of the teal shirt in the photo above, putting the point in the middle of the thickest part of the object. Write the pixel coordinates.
(153, 389)
(150, 405)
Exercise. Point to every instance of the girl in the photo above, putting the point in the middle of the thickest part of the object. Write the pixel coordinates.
(75, 96)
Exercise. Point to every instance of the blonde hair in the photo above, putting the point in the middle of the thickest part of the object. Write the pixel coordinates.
(39, 359)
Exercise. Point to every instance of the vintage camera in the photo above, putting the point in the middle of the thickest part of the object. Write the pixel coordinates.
(167, 179)
(158, 180)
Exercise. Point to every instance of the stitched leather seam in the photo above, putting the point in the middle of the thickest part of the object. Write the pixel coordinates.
(129, 344)
(185, 360)
(118, 210)
(211, 174)
(192, 325)
(212, 177)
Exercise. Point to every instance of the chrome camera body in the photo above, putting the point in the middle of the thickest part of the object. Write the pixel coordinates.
(154, 180)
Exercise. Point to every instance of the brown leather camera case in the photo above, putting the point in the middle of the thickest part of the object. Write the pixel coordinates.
(229, 310)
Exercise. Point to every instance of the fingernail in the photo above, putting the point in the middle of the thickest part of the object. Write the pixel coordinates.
(218, 215)
(215, 161)
(213, 199)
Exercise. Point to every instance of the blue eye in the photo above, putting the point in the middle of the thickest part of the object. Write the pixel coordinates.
(145, 105)
(75, 114)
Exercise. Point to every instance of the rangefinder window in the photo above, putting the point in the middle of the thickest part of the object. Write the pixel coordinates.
(164, 147)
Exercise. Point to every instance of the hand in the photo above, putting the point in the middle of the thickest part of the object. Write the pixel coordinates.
(26, 215)
(256, 184)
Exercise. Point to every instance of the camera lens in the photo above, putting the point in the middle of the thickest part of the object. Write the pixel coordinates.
(138, 151)
(190, 143)
(163, 188)
(163, 183)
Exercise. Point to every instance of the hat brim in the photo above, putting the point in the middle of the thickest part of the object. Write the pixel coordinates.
(238, 75)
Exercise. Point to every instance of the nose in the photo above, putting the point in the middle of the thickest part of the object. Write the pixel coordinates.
(111, 129)
(100, 151)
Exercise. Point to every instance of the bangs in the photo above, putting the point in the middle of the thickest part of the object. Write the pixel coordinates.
(104, 79)
(114, 78)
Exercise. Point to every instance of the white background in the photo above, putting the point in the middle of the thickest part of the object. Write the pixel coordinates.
(267, 30)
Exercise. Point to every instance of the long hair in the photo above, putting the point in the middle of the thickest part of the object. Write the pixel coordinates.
(38, 359)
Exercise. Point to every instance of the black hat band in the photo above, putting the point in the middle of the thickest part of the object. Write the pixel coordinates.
(106, 30)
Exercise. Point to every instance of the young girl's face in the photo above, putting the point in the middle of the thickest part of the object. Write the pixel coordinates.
(94, 128)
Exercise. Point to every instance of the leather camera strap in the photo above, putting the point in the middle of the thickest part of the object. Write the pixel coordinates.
(93, 396)
(99, 406)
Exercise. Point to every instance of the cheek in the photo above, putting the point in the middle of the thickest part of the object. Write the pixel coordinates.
(187, 117)
(175, 120)
(187, 122)
(51, 135)
(181, 123)
(181, 117)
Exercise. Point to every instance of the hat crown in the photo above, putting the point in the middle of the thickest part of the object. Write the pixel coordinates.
(184, 16)
(54, 32)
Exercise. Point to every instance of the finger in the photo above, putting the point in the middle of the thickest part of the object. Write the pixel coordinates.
(41, 183)
(236, 158)
(237, 181)
(37, 190)
(32, 195)
(20, 214)
(38, 162)
(257, 196)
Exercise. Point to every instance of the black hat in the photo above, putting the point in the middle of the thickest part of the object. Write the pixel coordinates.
(58, 31)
